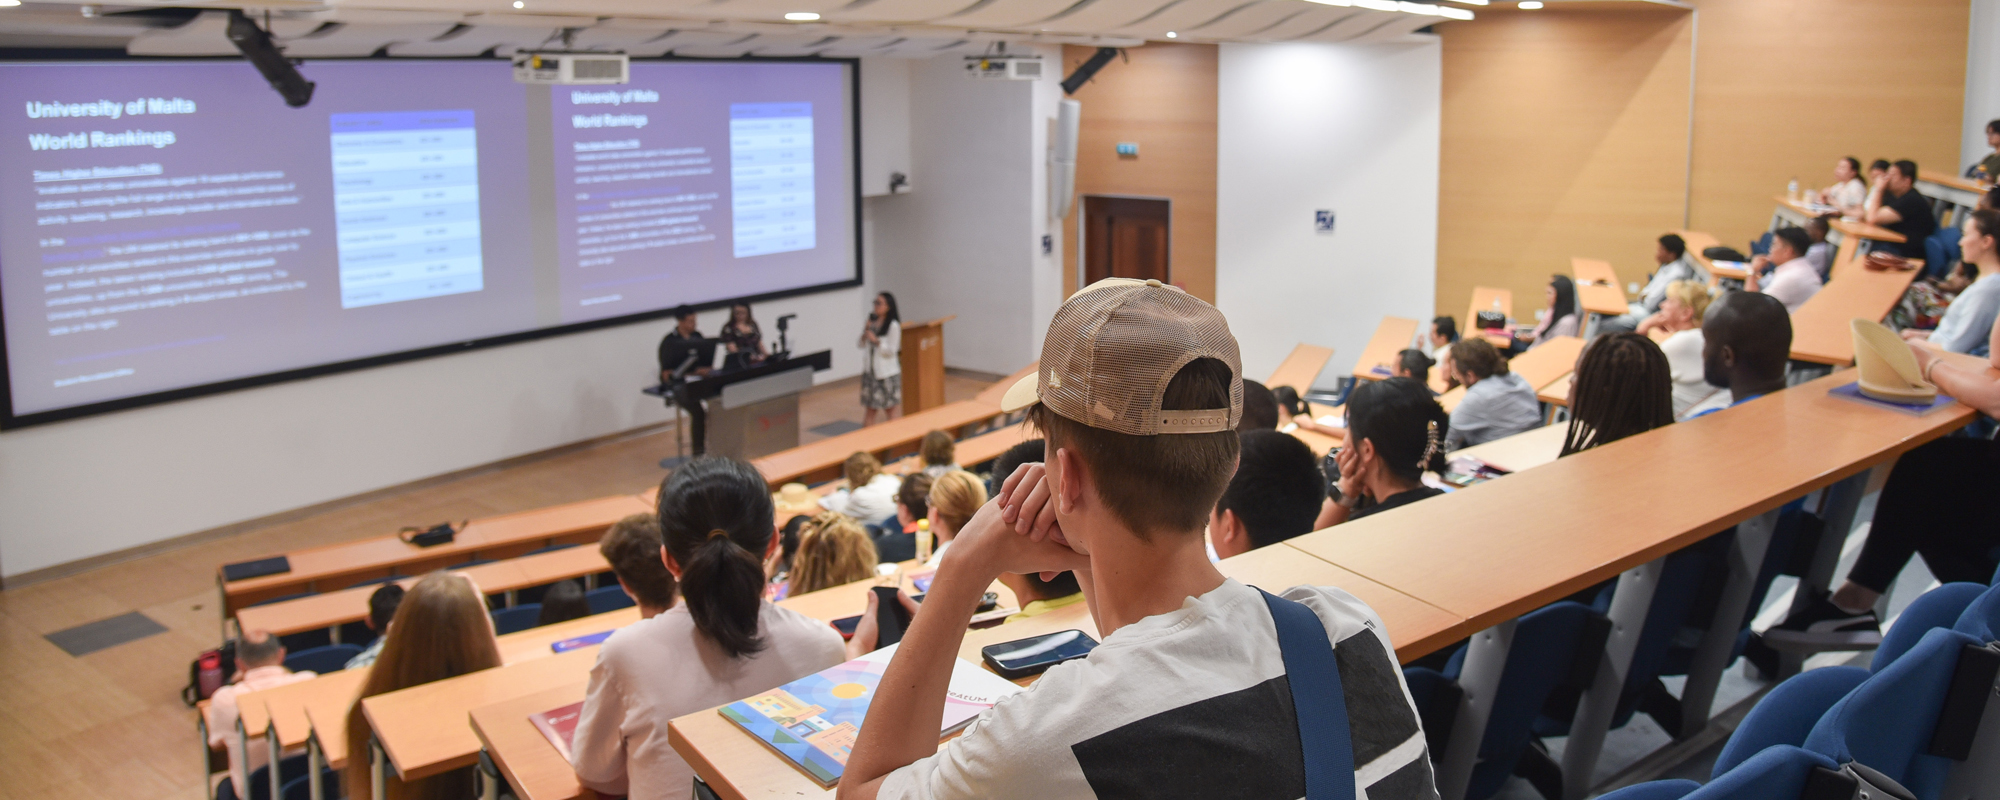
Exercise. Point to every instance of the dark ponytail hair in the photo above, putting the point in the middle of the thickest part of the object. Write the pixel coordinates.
(1406, 424)
(715, 520)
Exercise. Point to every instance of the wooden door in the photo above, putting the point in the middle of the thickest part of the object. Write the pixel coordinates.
(1126, 237)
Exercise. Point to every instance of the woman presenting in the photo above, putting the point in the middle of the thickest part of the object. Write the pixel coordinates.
(881, 370)
(742, 337)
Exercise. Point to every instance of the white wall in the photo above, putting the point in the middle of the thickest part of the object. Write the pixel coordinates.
(967, 241)
(1352, 128)
(1982, 80)
(85, 487)
(885, 123)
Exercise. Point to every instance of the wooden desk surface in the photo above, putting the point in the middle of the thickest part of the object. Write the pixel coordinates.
(1597, 287)
(1547, 526)
(1557, 393)
(328, 717)
(1953, 181)
(1487, 298)
(821, 460)
(1391, 336)
(287, 704)
(534, 643)
(1867, 231)
(1522, 450)
(1547, 363)
(532, 766)
(1820, 328)
(1450, 400)
(351, 605)
(850, 599)
(1301, 367)
(336, 566)
(1696, 242)
(425, 729)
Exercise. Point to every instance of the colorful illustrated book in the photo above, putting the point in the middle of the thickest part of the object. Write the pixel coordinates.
(567, 645)
(814, 721)
(1852, 392)
(559, 725)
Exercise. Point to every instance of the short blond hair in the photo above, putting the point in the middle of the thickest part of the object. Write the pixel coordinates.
(860, 469)
(833, 550)
(1691, 294)
(957, 495)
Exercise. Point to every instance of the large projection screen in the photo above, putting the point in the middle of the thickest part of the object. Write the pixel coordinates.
(168, 228)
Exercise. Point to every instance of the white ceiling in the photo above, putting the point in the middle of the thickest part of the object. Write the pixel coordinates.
(710, 28)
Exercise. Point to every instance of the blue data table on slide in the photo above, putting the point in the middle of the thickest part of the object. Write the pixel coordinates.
(771, 177)
(406, 205)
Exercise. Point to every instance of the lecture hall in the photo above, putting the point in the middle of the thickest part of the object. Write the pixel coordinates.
(1433, 400)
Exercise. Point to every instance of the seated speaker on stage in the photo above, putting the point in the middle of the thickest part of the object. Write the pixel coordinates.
(684, 354)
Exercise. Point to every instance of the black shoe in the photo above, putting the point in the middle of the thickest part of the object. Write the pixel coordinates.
(1825, 626)
(1763, 661)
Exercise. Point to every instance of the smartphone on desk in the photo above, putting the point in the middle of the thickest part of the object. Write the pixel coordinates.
(1035, 654)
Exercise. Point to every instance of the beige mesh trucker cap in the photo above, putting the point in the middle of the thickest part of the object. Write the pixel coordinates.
(1111, 351)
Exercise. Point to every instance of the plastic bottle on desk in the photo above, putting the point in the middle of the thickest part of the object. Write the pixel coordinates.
(923, 540)
(1792, 190)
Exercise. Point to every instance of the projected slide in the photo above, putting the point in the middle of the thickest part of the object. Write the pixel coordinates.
(171, 225)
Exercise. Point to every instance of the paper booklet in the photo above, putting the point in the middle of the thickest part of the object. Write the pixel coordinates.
(814, 721)
(586, 640)
(559, 725)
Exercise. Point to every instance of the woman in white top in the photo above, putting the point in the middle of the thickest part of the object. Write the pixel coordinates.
(1970, 317)
(954, 498)
(723, 642)
(1679, 318)
(870, 496)
(881, 370)
(1560, 318)
(1847, 192)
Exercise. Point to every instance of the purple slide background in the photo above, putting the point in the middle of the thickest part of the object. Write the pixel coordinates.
(239, 125)
(693, 111)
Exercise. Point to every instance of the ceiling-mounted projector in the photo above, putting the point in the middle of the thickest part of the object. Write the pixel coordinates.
(1004, 66)
(571, 69)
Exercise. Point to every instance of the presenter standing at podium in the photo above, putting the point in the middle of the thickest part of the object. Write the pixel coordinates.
(881, 370)
(673, 353)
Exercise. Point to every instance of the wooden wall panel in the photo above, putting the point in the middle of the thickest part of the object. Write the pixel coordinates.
(1164, 99)
(1564, 134)
(1786, 87)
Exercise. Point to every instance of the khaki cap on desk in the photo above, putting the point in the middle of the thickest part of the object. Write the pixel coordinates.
(1888, 370)
(1111, 351)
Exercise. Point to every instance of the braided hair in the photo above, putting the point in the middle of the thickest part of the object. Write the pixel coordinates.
(1622, 386)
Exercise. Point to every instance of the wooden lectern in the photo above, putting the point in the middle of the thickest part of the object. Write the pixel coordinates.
(923, 364)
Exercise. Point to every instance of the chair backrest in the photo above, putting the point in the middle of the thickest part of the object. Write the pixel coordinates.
(328, 658)
(608, 598)
(1787, 714)
(1542, 657)
(289, 768)
(516, 619)
(1981, 617)
(300, 788)
(1887, 722)
(1777, 772)
(1942, 607)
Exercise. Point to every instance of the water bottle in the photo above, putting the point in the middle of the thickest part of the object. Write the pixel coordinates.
(923, 540)
(1792, 190)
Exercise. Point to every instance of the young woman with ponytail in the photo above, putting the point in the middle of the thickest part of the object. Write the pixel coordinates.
(722, 642)
(1395, 432)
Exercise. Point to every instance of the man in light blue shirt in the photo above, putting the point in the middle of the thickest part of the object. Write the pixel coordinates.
(1497, 403)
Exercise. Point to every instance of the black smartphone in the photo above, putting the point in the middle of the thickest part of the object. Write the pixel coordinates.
(1031, 656)
(846, 626)
(891, 618)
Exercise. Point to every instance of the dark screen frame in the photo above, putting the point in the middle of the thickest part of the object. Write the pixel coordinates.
(10, 421)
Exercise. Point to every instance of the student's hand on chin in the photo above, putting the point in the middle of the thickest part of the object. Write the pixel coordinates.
(989, 546)
(1027, 502)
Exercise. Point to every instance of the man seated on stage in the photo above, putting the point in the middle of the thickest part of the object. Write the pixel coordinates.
(684, 331)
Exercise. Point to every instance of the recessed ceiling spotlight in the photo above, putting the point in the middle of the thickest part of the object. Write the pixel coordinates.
(1530, 5)
(802, 16)
(9, 3)
(1172, 35)
(519, 4)
(1472, 2)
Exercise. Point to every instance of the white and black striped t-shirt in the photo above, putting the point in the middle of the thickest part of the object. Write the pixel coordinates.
(1191, 703)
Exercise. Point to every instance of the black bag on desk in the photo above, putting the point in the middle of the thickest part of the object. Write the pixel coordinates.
(1489, 320)
(1721, 253)
(441, 533)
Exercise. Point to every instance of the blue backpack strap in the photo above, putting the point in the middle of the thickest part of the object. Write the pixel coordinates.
(1317, 698)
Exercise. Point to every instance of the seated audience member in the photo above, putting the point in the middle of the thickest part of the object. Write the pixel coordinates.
(1038, 596)
(1260, 408)
(381, 608)
(1793, 281)
(723, 642)
(1968, 321)
(896, 540)
(833, 551)
(1939, 503)
(1560, 317)
(1988, 169)
(632, 548)
(1273, 496)
(870, 495)
(1895, 203)
(779, 568)
(1819, 251)
(1179, 640)
(953, 500)
(1878, 170)
(1294, 408)
(1396, 431)
(441, 631)
(1444, 331)
(1028, 452)
(260, 665)
(1847, 192)
(561, 603)
(1680, 318)
(1412, 363)
(1621, 386)
(939, 453)
(1497, 403)
(1675, 264)
(1746, 340)
(1290, 404)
